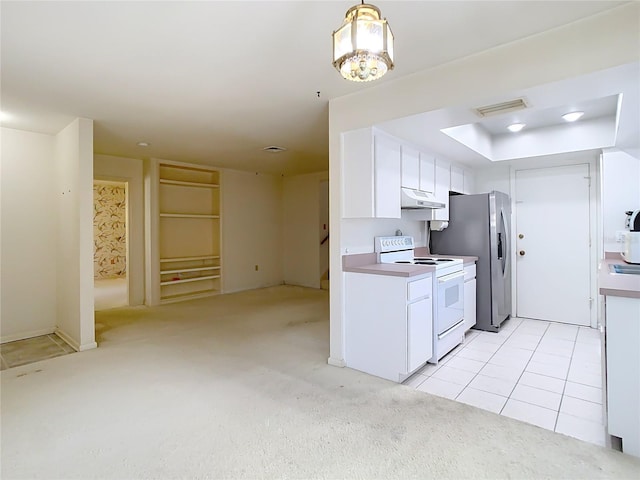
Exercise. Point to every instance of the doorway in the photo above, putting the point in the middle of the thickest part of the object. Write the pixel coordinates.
(110, 244)
(324, 234)
(553, 252)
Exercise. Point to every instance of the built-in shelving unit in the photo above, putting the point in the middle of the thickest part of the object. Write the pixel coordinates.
(189, 231)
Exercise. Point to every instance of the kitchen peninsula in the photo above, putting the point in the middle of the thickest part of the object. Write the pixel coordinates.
(621, 342)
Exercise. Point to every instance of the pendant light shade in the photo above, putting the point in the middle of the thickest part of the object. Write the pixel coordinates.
(363, 45)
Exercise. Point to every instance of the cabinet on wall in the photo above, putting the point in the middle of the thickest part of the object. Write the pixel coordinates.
(418, 170)
(371, 175)
(388, 324)
(442, 184)
(462, 180)
(188, 231)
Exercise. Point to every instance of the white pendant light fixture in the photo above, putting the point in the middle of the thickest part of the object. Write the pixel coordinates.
(363, 45)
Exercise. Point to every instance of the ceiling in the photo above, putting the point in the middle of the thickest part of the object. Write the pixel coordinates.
(215, 82)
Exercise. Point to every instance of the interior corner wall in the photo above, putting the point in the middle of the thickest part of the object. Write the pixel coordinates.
(130, 170)
(74, 191)
(251, 223)
(302, 229)
(28, 225)
(620, 193)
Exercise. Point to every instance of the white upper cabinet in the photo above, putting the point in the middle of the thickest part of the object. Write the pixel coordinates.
(469, 182)
(410, 168)
(387, 177)
(371, 165)
(418, 170)
(427, 173)
(457, 179)
(442, 182)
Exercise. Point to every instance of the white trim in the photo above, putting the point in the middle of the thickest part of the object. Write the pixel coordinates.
(67, 339)
(24, 335)
(72, 343)
(336, 362)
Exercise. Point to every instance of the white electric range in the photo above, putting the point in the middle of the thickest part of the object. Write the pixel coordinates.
(448, 290)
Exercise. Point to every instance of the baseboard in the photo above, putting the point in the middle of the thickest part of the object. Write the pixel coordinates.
(336, 362)
(67, 338)
(21, 336)
(88, 346)
(73, 344)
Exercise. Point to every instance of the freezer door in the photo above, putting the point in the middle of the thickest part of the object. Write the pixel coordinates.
(500, 252)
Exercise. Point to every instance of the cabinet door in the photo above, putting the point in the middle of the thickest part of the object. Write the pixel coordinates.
(419, 330)
(387, 177)
(457, 179)
(357, 174)
(427, 173)
(443, 179)
(410, 168)
(469, 182)
(469, 304)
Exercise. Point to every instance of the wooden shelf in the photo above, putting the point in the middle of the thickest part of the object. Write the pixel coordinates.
(187, 215)
(189, 280)
(185, 270)
(188, 231)
(189, 296)
(189, 259)
(181, 183)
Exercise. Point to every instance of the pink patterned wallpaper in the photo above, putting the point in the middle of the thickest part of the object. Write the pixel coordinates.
(109, 231)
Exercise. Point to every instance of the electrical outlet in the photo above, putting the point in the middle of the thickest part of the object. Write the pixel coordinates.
(620, 236)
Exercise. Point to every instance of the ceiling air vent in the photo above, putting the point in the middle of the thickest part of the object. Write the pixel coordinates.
(504, 107)
(274, 149)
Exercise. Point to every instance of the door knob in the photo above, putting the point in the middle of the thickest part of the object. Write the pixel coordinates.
(521, 253)
(521, 236)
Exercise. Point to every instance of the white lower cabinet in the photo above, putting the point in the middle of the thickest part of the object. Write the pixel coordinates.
(469, 296)
(622, 337)
(418, 329)
(388, 324)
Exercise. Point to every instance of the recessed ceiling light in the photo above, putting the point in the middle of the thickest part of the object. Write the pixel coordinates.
(274, 149)
(572, 116)
(143, 144)
(516, 127)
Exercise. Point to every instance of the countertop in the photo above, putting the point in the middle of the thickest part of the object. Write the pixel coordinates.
(615, 284)
(367, 263)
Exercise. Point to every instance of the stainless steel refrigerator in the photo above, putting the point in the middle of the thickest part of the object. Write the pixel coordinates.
(479, 225)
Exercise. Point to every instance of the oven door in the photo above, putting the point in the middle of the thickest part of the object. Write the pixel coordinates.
(450, 301)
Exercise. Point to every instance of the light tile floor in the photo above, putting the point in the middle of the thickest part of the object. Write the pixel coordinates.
(544, 373)
(30, 350)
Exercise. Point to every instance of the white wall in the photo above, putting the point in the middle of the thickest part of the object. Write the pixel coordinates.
(74, 191)
(130, 170)
(620, 192)
(251, 230)
(596, 43)
(28, 233)
(302, 229)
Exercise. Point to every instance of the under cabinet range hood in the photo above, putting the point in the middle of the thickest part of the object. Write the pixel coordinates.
(413, 199)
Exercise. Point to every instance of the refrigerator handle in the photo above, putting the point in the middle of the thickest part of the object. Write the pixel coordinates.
(505, 253)
(499, 246)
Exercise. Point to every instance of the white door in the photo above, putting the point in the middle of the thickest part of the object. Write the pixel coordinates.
(552, 244)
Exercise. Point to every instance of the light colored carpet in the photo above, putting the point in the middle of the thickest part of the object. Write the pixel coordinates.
(110, 293)
(237, 386)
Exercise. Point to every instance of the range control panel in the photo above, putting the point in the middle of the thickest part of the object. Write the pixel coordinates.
(392, 244)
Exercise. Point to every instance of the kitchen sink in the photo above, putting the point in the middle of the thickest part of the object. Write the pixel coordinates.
(625, 269)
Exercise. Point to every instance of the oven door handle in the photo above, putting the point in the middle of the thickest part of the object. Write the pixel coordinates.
(451, 276)
(450, 329)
